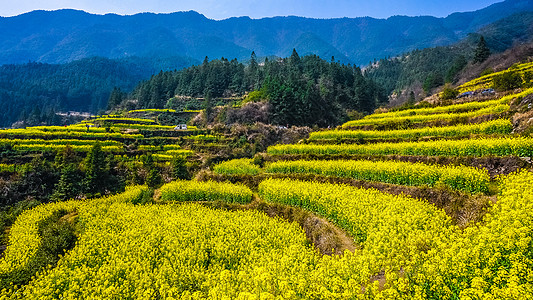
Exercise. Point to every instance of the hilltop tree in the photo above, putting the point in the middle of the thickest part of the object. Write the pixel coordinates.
(95, 170)
(153, 178)
(482, 51)
(115, 98)
(179, 167)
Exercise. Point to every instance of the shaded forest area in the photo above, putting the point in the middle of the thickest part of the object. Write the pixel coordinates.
(34, 92)
(303, 91)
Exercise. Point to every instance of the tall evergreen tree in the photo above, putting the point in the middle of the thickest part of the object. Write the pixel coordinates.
(95, 170)
(68, 186)
(482, 51)
(115, 98)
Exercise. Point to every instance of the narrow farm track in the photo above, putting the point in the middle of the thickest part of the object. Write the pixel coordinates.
(326, 237)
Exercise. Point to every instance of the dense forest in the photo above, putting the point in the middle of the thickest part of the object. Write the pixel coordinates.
(300, 90)
(422, 70)
(35, 92)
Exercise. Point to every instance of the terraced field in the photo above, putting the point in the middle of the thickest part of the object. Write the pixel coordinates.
(414, 219)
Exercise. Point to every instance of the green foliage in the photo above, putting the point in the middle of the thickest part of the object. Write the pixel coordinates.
(56, 235)
(115, 98)
(430, 67)
(432, 81)
(254, 96)
(301, 90)
(95, 170)
(154, 179)
(487, 71)
(34, 92)
(182, 190)
(449, 92)
(8, 215)
(69, 185)
(507, 81)
(179, 167)
(458, 65)
(482, 51)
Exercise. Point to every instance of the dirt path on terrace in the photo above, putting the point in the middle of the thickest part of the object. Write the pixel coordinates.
(326, 237)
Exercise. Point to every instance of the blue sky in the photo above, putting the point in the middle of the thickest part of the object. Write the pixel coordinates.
(221, 9)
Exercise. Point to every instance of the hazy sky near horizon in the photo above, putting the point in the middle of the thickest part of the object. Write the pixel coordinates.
(222, 9)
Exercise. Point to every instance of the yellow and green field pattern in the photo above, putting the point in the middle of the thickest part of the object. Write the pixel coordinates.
(393, 232)
(187, 251)
(181, 190)
(184, 251)
(242, 166)
(10, 168)
(454, 108)
(463, 178)
(24, 238)
(444, 113)
(149, 126)
(513, 146)
(499, 126)
(492, 260)
(60, 144)
(492, 110)
(67, 132)
(486, 81)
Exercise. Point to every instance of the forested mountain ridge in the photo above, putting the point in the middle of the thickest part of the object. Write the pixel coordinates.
(35, 92)
(66, 35)
(302, 91)
(422, 70)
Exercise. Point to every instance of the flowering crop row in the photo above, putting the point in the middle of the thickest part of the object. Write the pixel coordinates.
(149, 126)
(52, 147)
(7, 168)
(463, 178)
(205, 191)
(454, 108)
(119, 119)
(500, 126)
(75, 127)
(151, 110)
(485, 81)
(170, 154)
(159, 148)
(492, 260)
(237, 167)
(518, 146)
(67, 133)
(187, 251)
(59, 142)
(496, 109)
(178, 252)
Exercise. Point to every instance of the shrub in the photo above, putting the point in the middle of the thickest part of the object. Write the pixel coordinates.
(507, 81)
(448, 92)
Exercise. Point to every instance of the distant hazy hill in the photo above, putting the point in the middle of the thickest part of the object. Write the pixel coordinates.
(39, 90)
(66, 35)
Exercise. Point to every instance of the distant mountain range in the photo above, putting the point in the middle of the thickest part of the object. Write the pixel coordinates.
(66, 35)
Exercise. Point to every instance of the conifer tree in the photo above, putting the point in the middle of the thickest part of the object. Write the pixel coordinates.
(482, 51)
(95, 170)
